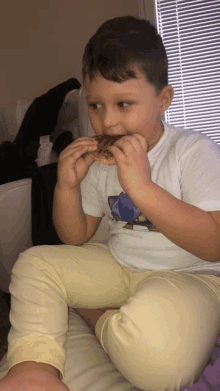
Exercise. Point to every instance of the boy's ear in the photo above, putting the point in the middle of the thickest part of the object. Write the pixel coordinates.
(166, 97)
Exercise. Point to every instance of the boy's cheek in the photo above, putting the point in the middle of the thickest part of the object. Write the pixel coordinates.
(96, 125)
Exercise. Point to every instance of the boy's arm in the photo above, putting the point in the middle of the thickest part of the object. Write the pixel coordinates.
(189, 227)
(73, 226)
(68, 216)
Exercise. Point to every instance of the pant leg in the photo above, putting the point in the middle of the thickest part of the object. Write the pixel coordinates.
(163, 337)
(45, 281)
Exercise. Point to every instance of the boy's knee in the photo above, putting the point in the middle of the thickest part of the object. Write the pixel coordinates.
(142, 346)
(38, 250)
(155, 331)
(151, 316)
(41, 252)
(33, 257)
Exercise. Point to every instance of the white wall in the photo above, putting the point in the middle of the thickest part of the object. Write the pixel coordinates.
(42, 42)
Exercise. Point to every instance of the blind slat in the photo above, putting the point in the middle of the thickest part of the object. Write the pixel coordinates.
(168, 18)
(169, 5)
(191, 35)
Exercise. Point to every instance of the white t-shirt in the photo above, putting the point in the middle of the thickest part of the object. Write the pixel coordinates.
(186, 164)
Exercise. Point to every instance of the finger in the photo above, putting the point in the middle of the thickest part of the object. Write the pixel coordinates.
(76, 154)
(142, 140)
(81, 141)
(88, 158)
(70, 151)
(137, 140)
(116, 152)
(128, 144)
(72, 154)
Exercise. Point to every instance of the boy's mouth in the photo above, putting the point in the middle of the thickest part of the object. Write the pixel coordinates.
(102, 154)
(105, 141)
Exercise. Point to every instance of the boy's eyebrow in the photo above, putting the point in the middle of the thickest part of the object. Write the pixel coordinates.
(119, 94)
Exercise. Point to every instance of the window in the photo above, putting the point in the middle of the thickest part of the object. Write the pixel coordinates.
(190, 30)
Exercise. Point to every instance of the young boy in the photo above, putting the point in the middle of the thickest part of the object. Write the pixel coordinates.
(160, 269)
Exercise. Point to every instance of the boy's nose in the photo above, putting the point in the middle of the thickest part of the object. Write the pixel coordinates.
(109, 119)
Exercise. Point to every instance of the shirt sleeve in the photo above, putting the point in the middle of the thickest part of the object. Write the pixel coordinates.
(91, 197)
(200, 173)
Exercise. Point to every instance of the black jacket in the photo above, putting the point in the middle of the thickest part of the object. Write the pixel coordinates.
(17, 159)
(41, 117)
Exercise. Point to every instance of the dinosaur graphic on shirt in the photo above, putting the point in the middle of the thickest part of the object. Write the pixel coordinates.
(123, 209)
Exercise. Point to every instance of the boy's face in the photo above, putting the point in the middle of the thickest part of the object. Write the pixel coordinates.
(125, 108)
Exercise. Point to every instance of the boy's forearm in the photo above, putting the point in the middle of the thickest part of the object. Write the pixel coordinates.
(68, 216)
(185, 225)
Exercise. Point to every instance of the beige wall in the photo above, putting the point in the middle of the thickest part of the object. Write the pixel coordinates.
(42, 42)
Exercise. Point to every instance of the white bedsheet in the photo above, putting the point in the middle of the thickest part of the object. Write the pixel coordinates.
(87, 366)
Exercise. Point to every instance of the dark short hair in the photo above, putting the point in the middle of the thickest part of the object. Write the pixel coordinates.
(122, 43)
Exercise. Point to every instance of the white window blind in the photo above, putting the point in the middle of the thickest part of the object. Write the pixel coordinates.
(190, 30)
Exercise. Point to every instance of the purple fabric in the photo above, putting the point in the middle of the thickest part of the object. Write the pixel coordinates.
(210, 379)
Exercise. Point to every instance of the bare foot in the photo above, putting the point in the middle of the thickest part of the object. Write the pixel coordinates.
(32, 379)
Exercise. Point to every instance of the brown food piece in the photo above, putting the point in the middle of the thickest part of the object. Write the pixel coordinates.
(102, 155)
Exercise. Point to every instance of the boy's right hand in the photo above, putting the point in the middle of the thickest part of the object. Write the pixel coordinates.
(72, 167)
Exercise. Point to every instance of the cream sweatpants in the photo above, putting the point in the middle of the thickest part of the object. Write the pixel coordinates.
(160, 339)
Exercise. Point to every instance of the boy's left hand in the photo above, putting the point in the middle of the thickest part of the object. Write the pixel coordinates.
(130, 153)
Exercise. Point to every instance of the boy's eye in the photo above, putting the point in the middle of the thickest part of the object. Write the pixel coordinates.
(126, 103)
(94, 105)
